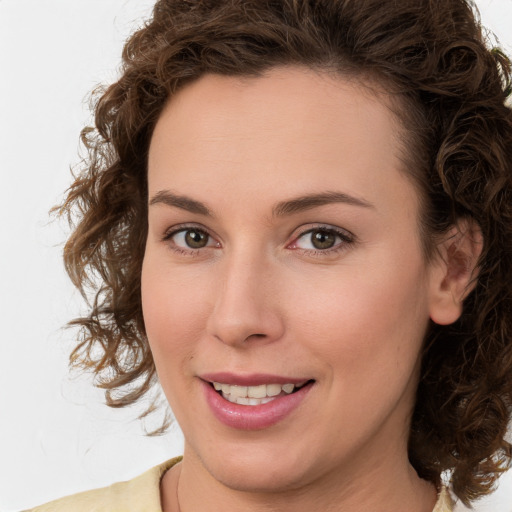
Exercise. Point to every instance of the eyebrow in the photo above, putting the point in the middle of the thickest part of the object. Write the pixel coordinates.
(185, 203)
(310, 201)
(290, 207)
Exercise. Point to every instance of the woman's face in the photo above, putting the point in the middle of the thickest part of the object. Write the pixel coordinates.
(283, 248)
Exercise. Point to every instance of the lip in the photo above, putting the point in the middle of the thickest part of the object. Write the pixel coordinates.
(253, 417)
(253, 379)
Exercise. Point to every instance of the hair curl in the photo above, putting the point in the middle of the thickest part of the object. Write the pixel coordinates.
(452, 89)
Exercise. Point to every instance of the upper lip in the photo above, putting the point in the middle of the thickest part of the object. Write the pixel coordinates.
(251, 379)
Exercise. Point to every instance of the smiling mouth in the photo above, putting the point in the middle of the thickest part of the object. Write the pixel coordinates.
(256, 395)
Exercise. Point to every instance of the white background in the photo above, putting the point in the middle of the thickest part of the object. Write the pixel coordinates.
(56, 437)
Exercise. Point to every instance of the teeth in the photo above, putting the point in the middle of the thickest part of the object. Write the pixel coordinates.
(257, 391)
(238, 391)
(273, 389)
(254, 395)
(241, 400)
(288, 388)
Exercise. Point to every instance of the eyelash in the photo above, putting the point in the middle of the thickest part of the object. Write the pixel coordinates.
(183, 229)
(346, 239)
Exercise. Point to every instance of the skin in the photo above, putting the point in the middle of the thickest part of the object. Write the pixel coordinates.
(260, 298)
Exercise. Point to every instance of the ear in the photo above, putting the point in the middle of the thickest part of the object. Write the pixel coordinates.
(454, 271)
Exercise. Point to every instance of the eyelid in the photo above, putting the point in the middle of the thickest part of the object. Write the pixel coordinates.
(347, 238)
(177, 228)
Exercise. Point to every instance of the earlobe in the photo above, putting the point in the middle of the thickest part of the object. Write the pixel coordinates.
(454, 271)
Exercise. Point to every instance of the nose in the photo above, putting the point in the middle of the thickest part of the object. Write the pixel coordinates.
(245, 306)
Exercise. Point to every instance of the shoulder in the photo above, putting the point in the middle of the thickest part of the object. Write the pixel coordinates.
(141, 494)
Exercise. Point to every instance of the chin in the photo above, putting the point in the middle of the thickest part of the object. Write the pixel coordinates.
(264, 479)
(257, 469)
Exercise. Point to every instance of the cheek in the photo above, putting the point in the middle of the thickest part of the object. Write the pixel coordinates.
(173, 316)
(370, 322)
(366, 332)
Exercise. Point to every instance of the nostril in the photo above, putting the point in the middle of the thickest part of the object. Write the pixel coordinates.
(255, 336)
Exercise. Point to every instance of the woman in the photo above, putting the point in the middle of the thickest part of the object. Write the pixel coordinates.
(300, 214)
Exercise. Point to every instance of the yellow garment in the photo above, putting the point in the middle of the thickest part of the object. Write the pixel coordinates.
(444, 502)
(142, 494)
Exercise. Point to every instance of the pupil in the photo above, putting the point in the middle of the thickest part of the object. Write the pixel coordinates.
(323, 239)
(196, 239)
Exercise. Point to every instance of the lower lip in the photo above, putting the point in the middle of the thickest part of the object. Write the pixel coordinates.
(253, 417)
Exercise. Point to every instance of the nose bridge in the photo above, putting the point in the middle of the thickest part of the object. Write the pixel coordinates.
(243, 306)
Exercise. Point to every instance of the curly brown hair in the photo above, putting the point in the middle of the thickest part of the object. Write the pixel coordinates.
(432, 56)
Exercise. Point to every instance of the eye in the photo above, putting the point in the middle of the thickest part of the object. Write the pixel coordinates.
(190, 239)
(322, 240)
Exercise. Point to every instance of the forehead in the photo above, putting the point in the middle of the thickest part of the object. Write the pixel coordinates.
(318, 102)
(292, 130)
